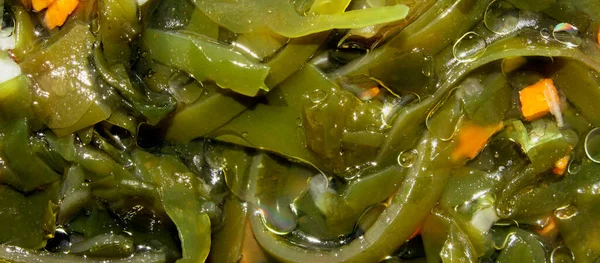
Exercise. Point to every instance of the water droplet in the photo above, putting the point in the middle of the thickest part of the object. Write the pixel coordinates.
(318, 96)
(594, 75)
(407, 158)
(269, 11)
(501, 17)
(61, 242)
(244, 134)
(469, 47)
(592, 145)
(567, 34)
(566, 212)
(428, 66)
(545, 33)
(301, 135)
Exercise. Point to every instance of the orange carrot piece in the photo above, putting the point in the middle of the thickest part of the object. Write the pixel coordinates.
(534, 103)
(598, 35)
(57, 13)
(39, 5)
(472, 137)
(368, 93)
(561, 165)
(416, 233)
(549, 227)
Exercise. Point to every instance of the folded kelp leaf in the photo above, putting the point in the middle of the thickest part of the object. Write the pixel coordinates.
(281, 17)
(65, 90)
(178, 193)
(206, 60)
(36, 218)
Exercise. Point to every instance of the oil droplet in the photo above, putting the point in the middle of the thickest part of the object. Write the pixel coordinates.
(545, 33)
(244, 134)
(318, 96)
(566, 212)
(407, 158)
(469, 47)
(592, 145)
(428, 66)
(567, 34)
(501, 17)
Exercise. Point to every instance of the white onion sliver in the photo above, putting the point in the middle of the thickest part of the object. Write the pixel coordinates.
(8, 69)
(483, 219)
(7, 43)
(553, 104)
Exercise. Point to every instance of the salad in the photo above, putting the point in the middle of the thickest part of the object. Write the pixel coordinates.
(300, 131)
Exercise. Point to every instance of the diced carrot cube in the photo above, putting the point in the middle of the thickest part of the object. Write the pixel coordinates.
(39, 5)
(472, 137)
(561, 165)
(57, 13)
(534, 103)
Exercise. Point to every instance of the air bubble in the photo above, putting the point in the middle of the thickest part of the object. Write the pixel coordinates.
(371, 128)
(318, 96)
(592, 145)
(408, 158)
(545, 33)
(469, 47)
(574, 166)
(567, 34)
(566, 212)
(562, 254)
(501, 17)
